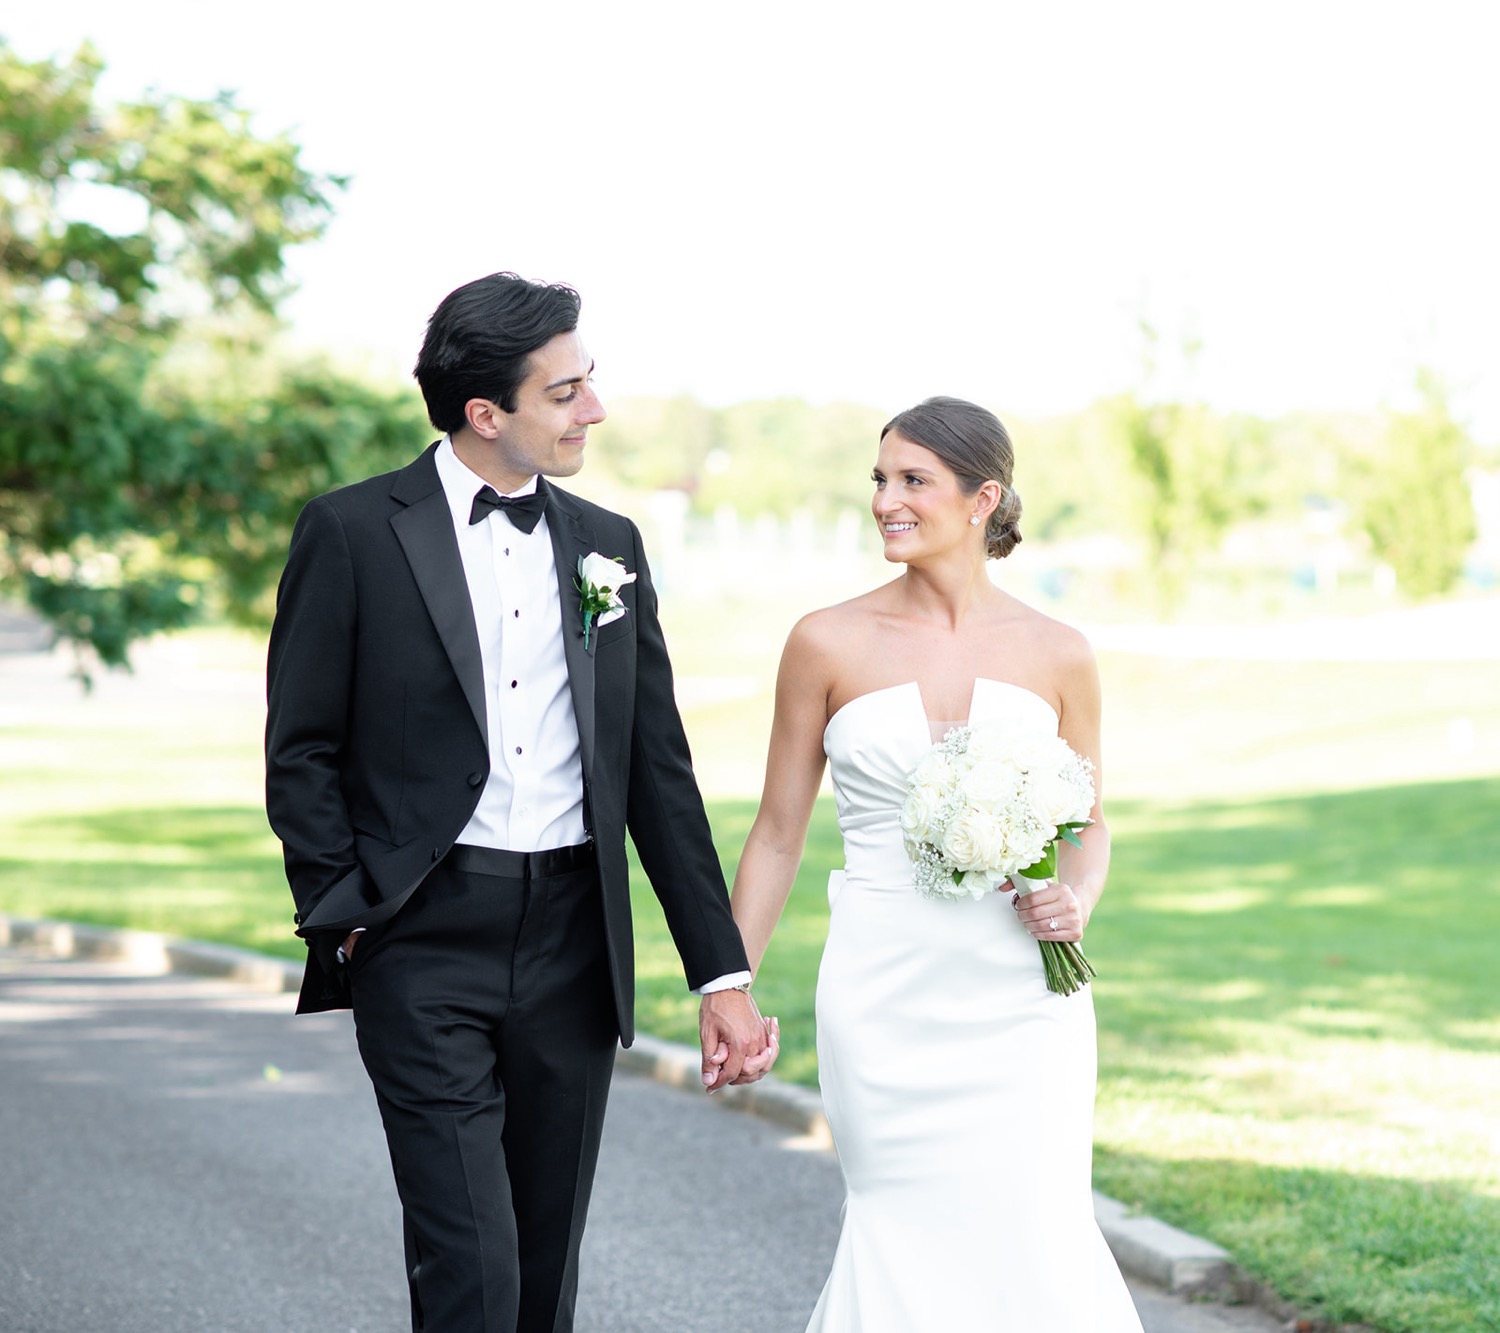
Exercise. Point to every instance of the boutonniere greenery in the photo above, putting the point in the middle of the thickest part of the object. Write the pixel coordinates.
(600, 578)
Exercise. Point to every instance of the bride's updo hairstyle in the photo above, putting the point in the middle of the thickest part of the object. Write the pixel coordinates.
(977, 448)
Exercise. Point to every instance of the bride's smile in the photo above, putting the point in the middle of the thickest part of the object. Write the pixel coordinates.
(916, 490)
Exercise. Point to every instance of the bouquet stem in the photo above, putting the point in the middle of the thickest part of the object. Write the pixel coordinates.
(1066, 967)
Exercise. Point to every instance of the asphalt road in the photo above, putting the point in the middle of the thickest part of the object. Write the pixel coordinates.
(181, 1155)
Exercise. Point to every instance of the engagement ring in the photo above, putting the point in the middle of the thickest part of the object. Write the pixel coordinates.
(1051, 923)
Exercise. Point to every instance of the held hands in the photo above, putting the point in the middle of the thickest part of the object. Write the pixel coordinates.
(739, 1046)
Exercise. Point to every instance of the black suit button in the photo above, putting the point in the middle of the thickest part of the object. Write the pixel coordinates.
(475, 779)
(296, 918)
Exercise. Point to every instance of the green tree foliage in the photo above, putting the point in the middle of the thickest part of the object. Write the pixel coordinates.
(1414, 501)
(778, 456)
(1071, 475)
(1196, 473)
(1184, 465)
(135, 493)
(653, 444)
(212, 207)
(774, 456)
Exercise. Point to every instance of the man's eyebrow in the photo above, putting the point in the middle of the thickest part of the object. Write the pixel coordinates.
(572, 379)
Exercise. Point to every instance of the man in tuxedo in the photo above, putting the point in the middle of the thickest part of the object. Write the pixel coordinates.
(454, 753)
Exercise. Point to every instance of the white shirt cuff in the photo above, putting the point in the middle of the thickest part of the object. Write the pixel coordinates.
(727, 982)
(342, 956)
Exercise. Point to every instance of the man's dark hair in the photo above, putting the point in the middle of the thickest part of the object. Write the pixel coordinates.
(478, 341)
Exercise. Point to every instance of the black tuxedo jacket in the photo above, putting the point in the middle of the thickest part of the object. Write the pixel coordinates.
(376, 745)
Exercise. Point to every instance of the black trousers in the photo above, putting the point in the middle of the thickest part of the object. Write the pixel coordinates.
(486, 1024)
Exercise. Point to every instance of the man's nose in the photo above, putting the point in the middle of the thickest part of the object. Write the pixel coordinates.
(590, 409)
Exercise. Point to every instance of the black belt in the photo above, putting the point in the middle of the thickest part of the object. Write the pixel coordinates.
(520, 865)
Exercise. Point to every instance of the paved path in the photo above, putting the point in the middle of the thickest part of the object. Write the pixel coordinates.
(180, 1155)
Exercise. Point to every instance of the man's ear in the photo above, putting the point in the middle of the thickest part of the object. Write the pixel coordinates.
(486, 419)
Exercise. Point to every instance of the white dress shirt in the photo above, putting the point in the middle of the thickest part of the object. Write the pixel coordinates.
(533, 799)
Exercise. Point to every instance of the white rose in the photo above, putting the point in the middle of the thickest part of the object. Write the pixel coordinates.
(1056, 799)
(604, 573)
(972, 841)
(992, 783)
(977, 883)
(1027, 846)
(1041, 752)
(918, 814)
(934, 770)
(993, 740)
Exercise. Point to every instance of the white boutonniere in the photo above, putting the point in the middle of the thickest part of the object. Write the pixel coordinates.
(600, 578)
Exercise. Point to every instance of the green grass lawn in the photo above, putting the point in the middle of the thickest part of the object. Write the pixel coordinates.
(1299, 1030)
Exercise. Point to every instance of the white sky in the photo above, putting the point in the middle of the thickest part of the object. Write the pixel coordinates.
(878, 202)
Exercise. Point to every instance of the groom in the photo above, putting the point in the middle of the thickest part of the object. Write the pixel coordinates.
(453, 758)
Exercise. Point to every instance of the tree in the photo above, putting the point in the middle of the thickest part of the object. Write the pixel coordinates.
(1185, 464)
(779, 456)
(211, 208)
(1414, 501)
(131, 496)
(657, 443)
(1195, 474)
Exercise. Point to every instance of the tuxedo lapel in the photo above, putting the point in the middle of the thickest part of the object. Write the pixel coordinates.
(572, 538)
(424, 527)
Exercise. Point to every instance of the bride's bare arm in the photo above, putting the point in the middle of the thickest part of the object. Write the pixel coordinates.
(1084, 869)
(794, 769)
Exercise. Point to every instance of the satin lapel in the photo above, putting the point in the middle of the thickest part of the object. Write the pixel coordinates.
(572, 538)
(425, 530)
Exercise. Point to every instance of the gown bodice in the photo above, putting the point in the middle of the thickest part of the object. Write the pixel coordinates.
(875, 740)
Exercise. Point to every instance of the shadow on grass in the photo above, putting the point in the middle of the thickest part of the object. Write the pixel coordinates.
(1407, 1256)
(210, 873)
(1370, 912)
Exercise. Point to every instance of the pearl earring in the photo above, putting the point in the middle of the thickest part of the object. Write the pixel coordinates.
(973, 520)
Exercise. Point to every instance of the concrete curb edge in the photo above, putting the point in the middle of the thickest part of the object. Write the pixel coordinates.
(1144, 1247)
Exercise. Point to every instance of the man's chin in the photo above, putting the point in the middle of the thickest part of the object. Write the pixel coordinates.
(566, 463)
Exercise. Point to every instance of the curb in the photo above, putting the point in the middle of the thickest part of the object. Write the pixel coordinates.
(1143, 1247)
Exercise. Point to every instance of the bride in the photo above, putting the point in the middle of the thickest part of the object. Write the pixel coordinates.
(960, 1090)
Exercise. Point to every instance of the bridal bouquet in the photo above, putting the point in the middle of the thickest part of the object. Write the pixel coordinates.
(989, 804)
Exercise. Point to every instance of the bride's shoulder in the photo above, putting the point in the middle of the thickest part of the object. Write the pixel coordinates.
(1064, 644)
(825, 637)
(820, 631)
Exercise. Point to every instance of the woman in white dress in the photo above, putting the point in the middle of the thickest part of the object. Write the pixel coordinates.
(959, 1089)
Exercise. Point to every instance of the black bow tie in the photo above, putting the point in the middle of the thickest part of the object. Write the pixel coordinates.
(522, 510)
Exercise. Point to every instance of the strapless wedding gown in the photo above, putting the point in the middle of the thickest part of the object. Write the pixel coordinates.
(960, 1090)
